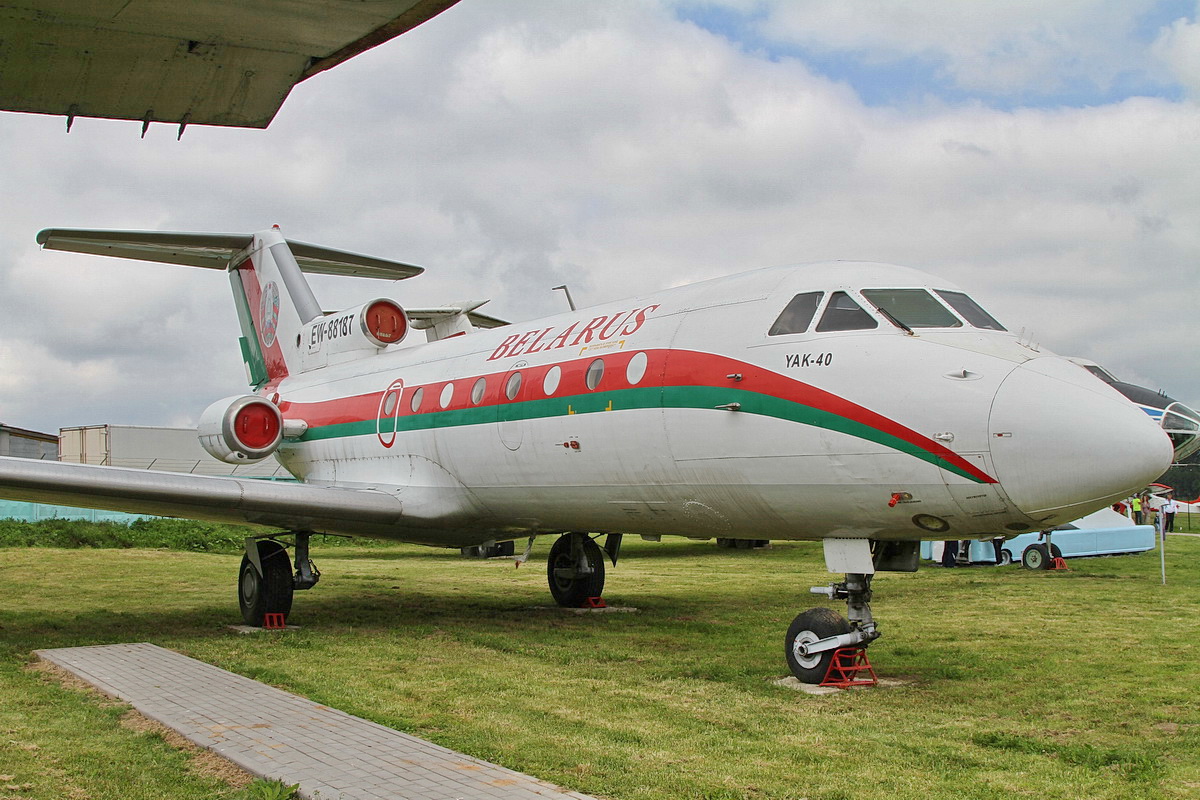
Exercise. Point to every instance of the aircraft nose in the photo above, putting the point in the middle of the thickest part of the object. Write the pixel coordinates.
(1064, 443)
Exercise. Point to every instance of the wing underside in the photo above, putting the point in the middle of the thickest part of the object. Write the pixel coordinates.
(201, 62)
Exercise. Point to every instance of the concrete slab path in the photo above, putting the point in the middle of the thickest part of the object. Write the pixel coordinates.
(275, 734)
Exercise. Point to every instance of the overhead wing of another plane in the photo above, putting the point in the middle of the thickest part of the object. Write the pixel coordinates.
(200, 62)
(214, 250)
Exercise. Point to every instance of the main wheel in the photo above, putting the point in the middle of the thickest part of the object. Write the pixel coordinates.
(571, 589)
(269, 593)
(1055, 552)
(1005, 557)
(1035, 557)
(808, 627)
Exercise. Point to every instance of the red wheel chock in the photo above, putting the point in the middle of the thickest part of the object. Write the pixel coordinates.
(595, 602)
(1059, 563)
(849, 667)
(274, 621)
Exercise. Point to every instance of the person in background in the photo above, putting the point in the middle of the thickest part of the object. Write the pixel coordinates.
(1136, 504)
(1166, 514)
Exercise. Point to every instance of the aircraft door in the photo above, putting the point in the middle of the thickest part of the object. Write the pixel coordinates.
(387, 419)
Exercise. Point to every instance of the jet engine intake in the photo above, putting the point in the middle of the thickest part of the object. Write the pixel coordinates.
(241, 429)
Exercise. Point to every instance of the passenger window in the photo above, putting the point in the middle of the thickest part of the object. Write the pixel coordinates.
(915, 308)
(970, 310)
(843, 314)
(512, 386)
(595, 372)
(798, 314)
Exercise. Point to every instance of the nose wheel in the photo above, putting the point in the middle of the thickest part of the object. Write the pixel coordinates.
(815, 634)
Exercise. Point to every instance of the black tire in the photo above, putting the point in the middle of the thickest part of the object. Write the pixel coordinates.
(505, 549)
(1005, 558)
(269, 593)
(810, 626)
(1035, 557)
(1055, 552)
(573, 591)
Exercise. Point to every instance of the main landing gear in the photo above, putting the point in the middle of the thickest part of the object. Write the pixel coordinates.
(817, 633)
(575, 568)
(266, 579)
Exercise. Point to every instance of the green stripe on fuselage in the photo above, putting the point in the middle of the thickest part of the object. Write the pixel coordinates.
(698, 397)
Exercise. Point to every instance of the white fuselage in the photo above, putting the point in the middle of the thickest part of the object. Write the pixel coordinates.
(702, 423)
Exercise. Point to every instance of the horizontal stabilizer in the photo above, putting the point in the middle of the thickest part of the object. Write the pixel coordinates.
(428, 317)
(214, 251)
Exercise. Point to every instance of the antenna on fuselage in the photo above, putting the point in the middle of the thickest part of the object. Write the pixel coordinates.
(567, 292)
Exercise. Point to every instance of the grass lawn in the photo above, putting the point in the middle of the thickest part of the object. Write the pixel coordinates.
(1077, 684)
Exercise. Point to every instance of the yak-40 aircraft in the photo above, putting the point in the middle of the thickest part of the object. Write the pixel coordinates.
(866, 405)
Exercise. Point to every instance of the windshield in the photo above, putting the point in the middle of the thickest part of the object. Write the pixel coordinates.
(914, 308)
(972, 312)
(843, 314)
(1182, 424)
(798, 314)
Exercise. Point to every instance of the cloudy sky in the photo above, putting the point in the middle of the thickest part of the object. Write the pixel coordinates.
(1046, 156)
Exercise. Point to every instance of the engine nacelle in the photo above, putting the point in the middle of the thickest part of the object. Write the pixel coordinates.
(353, 333)
(241, 429)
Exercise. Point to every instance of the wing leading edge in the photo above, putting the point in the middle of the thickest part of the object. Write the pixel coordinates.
(291, 506)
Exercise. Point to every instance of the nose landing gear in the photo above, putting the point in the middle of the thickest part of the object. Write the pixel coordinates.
(815, 634)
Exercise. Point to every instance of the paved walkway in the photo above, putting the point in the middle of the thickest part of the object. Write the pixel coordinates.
(274, 734)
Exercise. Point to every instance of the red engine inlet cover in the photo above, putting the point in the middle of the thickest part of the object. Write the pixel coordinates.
(256, 426)
(385, 321)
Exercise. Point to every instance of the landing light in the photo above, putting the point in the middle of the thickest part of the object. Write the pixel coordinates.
(931, 523)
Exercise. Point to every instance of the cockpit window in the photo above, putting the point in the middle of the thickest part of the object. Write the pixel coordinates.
(970, 310)
(843, 314)
(798, 314)
(1101, 373)
(912, 308)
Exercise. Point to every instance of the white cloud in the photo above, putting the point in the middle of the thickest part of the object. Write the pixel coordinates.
(1178, 46)
(610, 146)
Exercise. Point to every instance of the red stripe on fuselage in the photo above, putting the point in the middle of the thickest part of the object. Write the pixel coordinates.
(664, 368)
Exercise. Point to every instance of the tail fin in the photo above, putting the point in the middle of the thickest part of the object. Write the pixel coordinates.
(273, 302)
(265, 270)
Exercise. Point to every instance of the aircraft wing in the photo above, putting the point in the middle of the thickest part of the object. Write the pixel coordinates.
(292, 506)
(200, 62)
(214, 250)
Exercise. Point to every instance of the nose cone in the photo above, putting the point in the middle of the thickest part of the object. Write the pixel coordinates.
(1065, 444)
